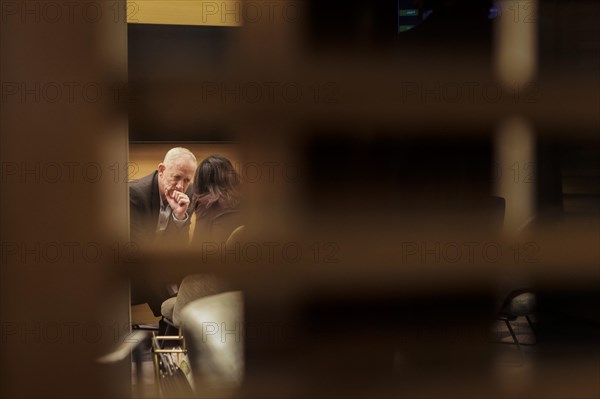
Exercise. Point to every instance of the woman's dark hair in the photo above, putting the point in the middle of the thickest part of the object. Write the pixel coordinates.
(216, 179)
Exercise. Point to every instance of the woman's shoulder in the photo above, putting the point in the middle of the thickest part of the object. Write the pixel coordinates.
(212, 205)
(202, 202)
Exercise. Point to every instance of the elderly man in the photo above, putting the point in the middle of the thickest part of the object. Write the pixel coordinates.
(159, 202)
(159, 216)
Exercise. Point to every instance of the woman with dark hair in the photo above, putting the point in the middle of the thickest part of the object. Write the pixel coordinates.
(216, 201)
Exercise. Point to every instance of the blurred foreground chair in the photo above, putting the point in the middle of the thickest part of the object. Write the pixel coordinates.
(213, 328)
(238, 235)
(519, 303)
(196, 286)
(170, 346)
(193, 287)
(202, 319)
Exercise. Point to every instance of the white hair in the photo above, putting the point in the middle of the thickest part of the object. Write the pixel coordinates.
(178, 153)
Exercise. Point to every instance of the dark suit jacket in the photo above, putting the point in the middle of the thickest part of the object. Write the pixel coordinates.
(144, 208)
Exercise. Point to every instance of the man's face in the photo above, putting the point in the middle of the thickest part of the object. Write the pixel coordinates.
(175, 176)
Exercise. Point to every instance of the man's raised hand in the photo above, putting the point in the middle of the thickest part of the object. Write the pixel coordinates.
(179, 202)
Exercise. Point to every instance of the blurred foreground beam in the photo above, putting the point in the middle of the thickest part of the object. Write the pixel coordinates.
(516, 62)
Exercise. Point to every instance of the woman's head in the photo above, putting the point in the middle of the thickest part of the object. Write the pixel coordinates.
(217, 178)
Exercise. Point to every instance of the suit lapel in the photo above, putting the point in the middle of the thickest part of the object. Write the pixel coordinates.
(155, 197)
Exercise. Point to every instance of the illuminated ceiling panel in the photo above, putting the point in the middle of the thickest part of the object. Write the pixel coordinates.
(186, 12)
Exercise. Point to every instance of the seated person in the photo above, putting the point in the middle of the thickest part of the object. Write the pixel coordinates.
(159, 202)
(216, 201)
(159, 215)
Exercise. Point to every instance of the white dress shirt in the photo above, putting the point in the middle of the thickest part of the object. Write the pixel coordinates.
(166, 213)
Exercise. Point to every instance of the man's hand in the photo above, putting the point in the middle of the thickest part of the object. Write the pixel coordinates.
(178, 201)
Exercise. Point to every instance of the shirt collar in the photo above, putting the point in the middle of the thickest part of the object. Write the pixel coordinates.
(163, 203)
